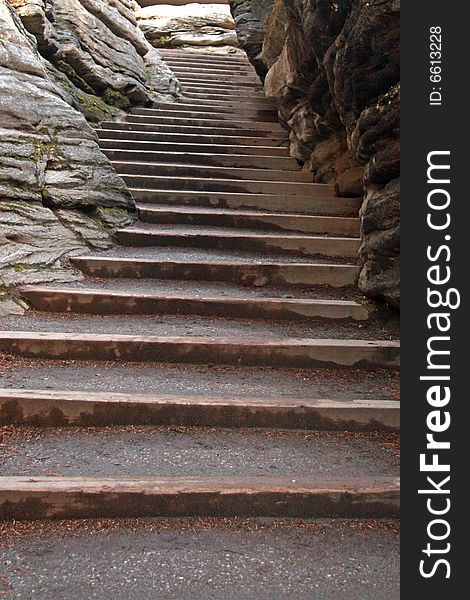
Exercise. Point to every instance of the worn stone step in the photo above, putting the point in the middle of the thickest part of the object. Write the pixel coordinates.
(228, 102)
(236, 137)
(195, 381)
(213, 67)
(198, 237)
(218, 80)
(237, 85)
(193, 325)
(216, 150)
(230, 112)
(32, 497)
(223, 217)
(278, 163)
(142, 170)
(235, 97)
(194, 54)
(106, 301)
(191, 58)
(243, 273)
(217, 130)
(243, 90)
(62, 407)
(234, 559)
(265, 117)
(252, 186)
(288, 352)
(150, 451)
(191, 120)
(317, 204)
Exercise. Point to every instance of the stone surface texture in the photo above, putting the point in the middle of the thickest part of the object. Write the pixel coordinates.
(191, 24)
(98, 54)
(333, 70)
(59, 194)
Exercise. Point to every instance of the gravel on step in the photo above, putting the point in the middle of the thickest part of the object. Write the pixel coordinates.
(204, 559)
(178, 229)
(169, 325)
(202, 380)
(197, 289)
(163, 253)
(163, 452)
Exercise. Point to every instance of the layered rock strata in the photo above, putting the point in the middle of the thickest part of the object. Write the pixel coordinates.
(333, 70)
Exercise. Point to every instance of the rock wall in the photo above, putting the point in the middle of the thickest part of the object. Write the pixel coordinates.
(193, 24)
(59, 194)
(333, 70)
(98, 54)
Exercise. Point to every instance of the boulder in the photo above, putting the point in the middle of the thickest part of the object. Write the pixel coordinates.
(98, 54)
(193, 24)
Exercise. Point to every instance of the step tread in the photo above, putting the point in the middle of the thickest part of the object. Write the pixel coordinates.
(184, 290)
(215, 381)
(206, 171)
(200, 210)
(227, 232)
(234, 559)
(214, 256)
(162, 265)
(217, 149)
(106, 299)
(221, 458)
(229, 159)
(198, 330)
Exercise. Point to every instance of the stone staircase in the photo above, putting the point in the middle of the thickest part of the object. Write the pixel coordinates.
(219, 361)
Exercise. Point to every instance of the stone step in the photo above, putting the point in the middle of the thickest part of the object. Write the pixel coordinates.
(317, 204)
(239, 104)
(192, 58)
(79, 408)
(262, 117)
(207, 94)
(150, 451)
(198, 237)
(215, 382)
(204, 138)
(184, 128)
(279, 163)
(341, 226)
(216, 74)
(242, 273)
(32, 497)
(233, 84)
(235, 559)
(191, 120)
(244, 90)
(227, 68)
(164, 169)
(216, 150)
(218, 79)
(105, 301)
(203, 111)
(228, 111)
(210, 66)
(243, 351)
(251, 186)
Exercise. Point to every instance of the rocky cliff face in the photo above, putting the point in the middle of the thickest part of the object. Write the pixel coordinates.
(333, 70)
(97, 53)
(58, 193)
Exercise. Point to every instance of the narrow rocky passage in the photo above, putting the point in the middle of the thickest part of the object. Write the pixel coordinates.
(230, 303)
